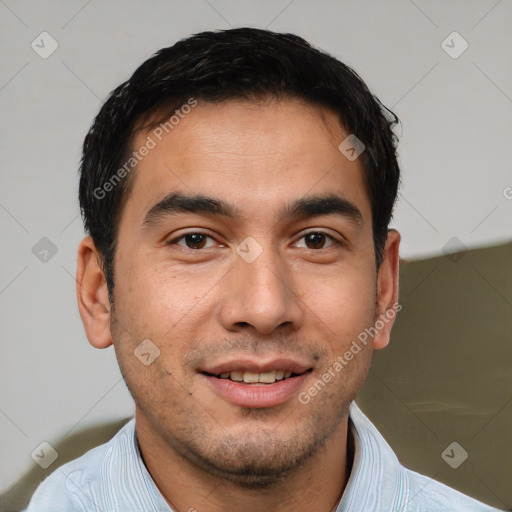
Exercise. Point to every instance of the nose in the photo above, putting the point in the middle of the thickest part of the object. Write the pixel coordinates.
(261, 294)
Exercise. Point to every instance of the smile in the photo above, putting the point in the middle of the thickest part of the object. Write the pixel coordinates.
(254, 384)
(248, 377)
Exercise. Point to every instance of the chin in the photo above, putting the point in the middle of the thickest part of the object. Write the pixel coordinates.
(253, 461)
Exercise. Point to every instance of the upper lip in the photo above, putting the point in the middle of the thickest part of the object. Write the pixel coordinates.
(252, 365)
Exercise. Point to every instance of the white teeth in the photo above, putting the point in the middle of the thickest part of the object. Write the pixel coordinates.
(237, 376)
(268, 377)
(251, 377)
(254, 378)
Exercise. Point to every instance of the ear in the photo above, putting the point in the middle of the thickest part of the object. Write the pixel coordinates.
(387, 290)
(92, 295)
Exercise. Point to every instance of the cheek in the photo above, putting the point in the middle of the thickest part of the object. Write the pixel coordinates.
(156, 298)
(170, 309)
(342, 306)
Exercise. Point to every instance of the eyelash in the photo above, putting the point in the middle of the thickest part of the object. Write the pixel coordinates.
(181, 237)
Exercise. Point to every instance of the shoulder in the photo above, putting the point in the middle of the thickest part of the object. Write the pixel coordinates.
(75, 485)
(428, 495)
(381, 482)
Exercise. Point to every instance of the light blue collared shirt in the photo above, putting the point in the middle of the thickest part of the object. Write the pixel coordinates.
(113, 478)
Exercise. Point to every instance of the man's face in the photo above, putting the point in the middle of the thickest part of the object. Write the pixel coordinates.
(260, 288)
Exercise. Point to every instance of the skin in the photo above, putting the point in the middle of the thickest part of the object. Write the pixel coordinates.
(203, 305)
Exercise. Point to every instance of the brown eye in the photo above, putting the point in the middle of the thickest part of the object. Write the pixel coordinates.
(193, 241)
(317, 240)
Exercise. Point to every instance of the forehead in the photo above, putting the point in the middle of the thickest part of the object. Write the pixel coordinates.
(264, 153)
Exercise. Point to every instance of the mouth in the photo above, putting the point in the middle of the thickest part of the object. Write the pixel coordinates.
(249, 384)
(257, 378)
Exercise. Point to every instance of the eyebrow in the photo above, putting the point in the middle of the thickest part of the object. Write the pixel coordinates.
(310, 206)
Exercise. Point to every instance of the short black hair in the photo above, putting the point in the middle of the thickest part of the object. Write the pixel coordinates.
(215, 66)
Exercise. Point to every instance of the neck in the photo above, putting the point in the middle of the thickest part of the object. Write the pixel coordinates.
(317, 485)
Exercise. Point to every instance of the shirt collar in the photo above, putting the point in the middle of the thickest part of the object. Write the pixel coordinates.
(376, 479)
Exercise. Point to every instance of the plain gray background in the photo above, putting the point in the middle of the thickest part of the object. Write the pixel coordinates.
(455, 154)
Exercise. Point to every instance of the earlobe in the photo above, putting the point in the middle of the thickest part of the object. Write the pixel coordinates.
(92, 295)
(387, 290)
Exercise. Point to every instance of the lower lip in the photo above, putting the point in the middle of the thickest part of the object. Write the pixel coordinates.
(256, 395)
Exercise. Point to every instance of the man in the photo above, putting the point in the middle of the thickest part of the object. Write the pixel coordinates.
(237, 190)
